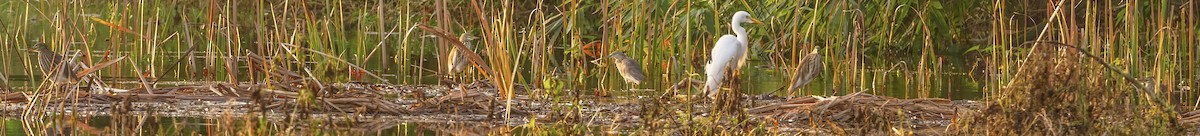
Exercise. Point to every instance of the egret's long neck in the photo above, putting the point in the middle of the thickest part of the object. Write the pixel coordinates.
(739, 31)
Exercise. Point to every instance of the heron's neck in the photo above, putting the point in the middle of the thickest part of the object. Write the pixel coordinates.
(466, 43)
(740, 32)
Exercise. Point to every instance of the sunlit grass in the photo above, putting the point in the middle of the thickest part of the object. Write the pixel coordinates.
(904, 49)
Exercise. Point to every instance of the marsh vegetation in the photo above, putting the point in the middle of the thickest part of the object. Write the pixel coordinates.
(537, 67)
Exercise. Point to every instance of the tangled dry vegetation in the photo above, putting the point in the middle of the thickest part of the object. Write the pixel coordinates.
(861, 113)
(285, 92)
(1058, 92)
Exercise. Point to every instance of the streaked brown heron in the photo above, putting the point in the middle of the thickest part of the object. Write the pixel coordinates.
(807, 70)
(629, 68)
(728, 54)
(458, 59)
(56, 67)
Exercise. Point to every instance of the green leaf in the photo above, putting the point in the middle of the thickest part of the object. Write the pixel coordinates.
(936, 4)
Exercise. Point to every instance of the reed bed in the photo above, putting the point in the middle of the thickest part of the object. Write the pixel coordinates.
(287, 64)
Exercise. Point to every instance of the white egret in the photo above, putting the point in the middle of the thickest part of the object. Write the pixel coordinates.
(728, 54)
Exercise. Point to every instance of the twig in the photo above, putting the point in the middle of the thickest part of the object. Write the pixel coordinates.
(214, 89)
(141, 79)
(335, 107)
(424, 69)
(191, 48)
(839, 100)
(335, 58)
(288, 94)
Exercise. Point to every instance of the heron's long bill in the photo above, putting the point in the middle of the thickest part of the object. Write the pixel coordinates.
(752, 20)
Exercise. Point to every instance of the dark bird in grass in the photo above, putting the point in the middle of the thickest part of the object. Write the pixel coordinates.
(458, 59)
(629, 68)
(57, 67)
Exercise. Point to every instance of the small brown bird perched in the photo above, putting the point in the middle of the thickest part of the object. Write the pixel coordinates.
(808, 70)
(458, 60)
(629, 68)
(57, 67)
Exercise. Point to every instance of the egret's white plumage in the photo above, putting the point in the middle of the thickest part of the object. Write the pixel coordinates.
(726, 51)
(742, 37)
(728, 54)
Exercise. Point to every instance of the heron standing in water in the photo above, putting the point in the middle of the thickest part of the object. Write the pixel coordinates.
(728, 54)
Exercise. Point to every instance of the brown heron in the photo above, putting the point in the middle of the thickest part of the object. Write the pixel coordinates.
(458, 60)
(57, 67)
(807, 70)
(629, 68)
(728, 54)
